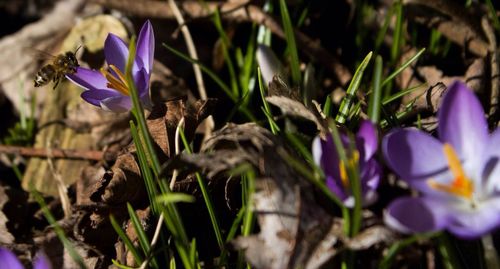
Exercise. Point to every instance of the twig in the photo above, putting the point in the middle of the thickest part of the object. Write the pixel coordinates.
(190, 46)
(177, 150)
(455, 22)
(73, 154)
(155, 239)
(234, 11)
(61, 187)
(194, 55)
(494, 68)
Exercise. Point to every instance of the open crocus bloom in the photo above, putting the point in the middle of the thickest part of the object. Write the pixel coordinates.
(326, 156)
(9, 260)
(108, 89)
(458, 174)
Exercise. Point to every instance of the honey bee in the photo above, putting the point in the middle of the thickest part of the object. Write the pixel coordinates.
(62, 65)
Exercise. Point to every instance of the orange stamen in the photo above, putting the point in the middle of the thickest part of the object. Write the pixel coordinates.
(461, 184)
(119, 84)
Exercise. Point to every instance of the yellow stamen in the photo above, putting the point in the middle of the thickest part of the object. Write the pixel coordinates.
(352, 162)
(343, 174)
(121, 76)
(461, 184)
(119, 84)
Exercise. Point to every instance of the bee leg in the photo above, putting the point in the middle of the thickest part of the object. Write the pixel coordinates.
(56, 80)
(55, 85)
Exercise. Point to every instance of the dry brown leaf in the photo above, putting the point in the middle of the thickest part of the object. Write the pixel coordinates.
(459, 24)
(103, 192)
(289, 102)
(12, 207)
(125, 256)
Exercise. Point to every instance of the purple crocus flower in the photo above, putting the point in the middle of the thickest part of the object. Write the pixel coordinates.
(108, 89)
(458, 174)
(9, 260)
(325, 156)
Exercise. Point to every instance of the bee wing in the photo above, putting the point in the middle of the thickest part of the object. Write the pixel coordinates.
(39, 54)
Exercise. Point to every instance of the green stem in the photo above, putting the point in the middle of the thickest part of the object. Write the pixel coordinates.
(57, 229)
(447, 251)
(206, 196)
(172, 216)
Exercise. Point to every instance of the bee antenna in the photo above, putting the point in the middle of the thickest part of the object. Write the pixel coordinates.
(79, 47)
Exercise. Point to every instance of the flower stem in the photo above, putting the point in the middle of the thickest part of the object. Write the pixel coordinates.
(491, 259)
(172, 218)
(206, 196)
(447, 251)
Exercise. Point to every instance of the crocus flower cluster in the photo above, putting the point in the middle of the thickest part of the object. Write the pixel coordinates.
(457, 174)
(326, 157)
(108, 89)
(9, 260)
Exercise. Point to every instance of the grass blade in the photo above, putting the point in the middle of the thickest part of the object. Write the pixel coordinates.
(128, 243)
(291, 44)
(206, 196)
(175, 198)
(267, 109)
(398, 29)
(225, 51)
(216, 79)
(210, 73)
(402, 67)
(57, 229)
(141, 234)
(375, 103)
(347, 102)
(400, 94)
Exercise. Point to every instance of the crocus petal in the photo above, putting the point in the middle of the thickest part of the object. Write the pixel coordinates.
(409, 215)
(146, 47)
(370, 175)
(462, 122)
(470, 224)
(336, 187)
(367, 138)
(141, 79)
(413, 154)
(268, 63)
(96, 96)
(9, 260)
(117, 104)
(490, 185)
(41, 262)
(490, 172)
(88, 79)
(325, 156)
(116, 51)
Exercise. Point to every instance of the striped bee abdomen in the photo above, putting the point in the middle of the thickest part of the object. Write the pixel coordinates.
(45, 74)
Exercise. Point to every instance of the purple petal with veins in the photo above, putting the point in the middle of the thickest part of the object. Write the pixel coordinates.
(457, 175)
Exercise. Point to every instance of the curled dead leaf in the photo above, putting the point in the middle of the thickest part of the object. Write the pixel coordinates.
(289, 102)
